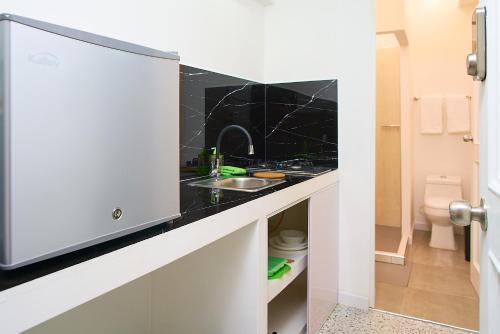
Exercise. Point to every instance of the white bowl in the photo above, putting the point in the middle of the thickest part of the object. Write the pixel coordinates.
(292, 237)
(276, 243)
(277, 240)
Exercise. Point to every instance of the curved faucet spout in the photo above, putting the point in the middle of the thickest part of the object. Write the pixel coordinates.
(215, 171)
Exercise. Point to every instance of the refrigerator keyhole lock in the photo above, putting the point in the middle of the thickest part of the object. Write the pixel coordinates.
(117, 213)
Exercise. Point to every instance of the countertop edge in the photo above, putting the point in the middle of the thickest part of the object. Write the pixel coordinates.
(85, 281)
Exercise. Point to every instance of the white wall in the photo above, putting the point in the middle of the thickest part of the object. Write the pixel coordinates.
(389, 15)
(226, 36)
(439, 34)
(336, 39)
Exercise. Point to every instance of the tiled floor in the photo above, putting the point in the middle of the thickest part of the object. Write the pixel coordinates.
(351, 320)
(439, 288)
(393, 274)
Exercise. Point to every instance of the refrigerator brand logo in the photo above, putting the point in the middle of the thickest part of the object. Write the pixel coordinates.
(45, 58)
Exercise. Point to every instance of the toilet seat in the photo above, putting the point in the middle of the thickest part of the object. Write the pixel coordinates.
(436, 208)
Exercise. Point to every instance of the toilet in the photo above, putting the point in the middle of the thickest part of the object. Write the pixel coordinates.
(439, 192)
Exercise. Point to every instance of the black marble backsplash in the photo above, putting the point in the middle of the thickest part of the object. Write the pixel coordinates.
(285, 120)
(301, 122)
(210, 101)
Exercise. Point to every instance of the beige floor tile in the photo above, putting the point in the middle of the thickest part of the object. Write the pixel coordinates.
(450, 281)
(443, 308)
(424, 254)
(393, 274)
(439, 287)
(421, 237)
(389, 297)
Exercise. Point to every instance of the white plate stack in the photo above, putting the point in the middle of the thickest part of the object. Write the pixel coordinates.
(289, 240)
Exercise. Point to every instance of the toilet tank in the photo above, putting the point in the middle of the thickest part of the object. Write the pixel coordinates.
(443, 186)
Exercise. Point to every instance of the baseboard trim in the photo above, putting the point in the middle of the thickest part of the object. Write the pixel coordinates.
(349, 299)
(421, 226)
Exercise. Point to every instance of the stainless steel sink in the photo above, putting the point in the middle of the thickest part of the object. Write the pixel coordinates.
(240, 183)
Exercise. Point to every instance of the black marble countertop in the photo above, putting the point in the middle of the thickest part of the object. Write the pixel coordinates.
(196, 203)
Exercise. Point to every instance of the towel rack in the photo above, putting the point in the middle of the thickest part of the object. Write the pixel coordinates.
(416, 98)
(390, 125)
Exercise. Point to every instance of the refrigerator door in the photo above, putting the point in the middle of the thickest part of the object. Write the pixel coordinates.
(92, 148)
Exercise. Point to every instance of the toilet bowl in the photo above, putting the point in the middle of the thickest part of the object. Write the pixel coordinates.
(439, 192)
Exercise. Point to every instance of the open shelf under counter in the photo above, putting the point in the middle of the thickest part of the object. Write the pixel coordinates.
(287, 313)
(299, 264)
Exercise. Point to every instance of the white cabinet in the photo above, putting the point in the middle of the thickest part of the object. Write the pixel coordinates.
(211, 290)
(304, 298)
(222, 287)
(322, 280)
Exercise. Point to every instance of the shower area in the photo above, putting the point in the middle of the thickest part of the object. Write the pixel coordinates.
(393, 182)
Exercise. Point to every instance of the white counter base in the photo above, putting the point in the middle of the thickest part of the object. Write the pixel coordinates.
(34, 302)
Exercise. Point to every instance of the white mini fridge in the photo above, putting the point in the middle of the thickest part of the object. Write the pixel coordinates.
(89, 139)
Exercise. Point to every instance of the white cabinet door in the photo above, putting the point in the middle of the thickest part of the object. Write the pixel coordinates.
(489, 174)
(322, 279)
(489, 178)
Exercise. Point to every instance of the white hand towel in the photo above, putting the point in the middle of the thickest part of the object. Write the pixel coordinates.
(431, 115)
(458, 114)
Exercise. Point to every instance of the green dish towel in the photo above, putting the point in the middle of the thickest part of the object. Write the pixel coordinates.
(231, 170)
(274, 264)
(286, 268)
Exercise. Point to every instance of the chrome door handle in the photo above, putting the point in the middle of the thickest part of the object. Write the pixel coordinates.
(476, 61)
(462, 214)
(468, 138)
(471, 64)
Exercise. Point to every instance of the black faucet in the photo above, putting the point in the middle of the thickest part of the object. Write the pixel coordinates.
(215, 170)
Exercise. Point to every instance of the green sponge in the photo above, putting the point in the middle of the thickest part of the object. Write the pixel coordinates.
(231, 170)
(286, 268)
(274, 264)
